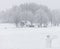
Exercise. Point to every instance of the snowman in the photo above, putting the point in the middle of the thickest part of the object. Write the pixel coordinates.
(49, 40)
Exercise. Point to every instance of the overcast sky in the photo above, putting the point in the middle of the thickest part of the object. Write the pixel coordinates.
(52, 4)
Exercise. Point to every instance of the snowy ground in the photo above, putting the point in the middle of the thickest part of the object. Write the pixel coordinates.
(27, 38)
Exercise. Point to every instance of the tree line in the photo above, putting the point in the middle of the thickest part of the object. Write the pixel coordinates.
(32, 12)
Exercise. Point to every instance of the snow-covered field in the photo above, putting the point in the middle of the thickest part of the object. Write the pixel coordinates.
(27, 38)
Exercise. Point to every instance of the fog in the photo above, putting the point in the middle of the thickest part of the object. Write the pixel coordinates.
(6, 4)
